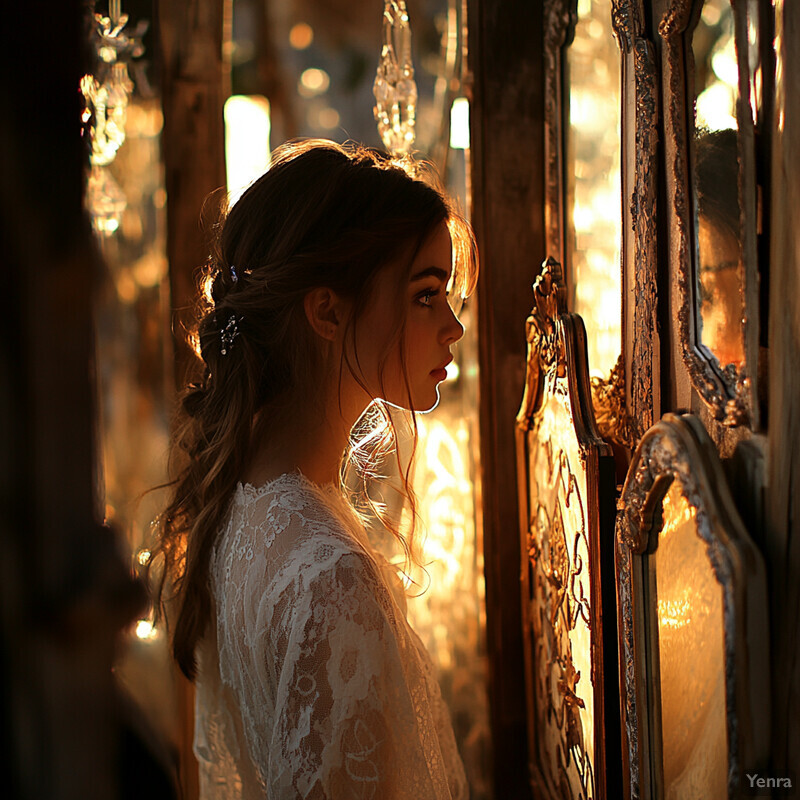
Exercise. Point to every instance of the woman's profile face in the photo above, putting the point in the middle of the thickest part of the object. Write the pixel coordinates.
(407, 372)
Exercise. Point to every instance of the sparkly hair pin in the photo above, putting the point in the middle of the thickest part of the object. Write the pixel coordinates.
(229, 333)
(234, 276)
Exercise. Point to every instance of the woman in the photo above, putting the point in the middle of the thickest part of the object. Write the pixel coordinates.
(328, 292)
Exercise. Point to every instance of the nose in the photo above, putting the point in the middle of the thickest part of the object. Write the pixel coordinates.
(452, 329)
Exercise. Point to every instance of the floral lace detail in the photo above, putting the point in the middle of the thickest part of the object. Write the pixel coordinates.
(311, 683)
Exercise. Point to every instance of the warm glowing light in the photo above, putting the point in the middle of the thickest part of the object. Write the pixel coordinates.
(328, 118)
(716, 108)
(691, 655)
(301, 35)
(459, 124)
(453, 371)
(145, 630)
(596, 210)
(445, 493)
(725, 67)
(247, 130)
(711, 14)
(143, 557)
(675, 613)
(313, 81)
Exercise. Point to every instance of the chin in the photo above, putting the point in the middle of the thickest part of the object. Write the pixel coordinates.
(424, 408)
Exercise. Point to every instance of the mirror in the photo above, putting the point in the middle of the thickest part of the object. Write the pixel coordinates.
(593, 157)
(719, 268)
(691, 655)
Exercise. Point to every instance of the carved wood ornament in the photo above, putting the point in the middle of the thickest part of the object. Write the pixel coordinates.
(728, 392)
(566, 482)
(678, 450)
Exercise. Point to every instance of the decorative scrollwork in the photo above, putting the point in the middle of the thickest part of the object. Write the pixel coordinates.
(561, 458)
(549, 301)
(627, 22)
(610, 410)
(676, 19)
(643, 222)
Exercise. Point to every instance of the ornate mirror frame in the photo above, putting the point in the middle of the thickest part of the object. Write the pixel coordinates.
(678, 448)
(730, 395)
(611, 407)
(566, 489)
(640, 117)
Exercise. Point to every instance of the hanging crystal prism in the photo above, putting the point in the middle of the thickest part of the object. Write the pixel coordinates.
(106, 95)
(395, 88)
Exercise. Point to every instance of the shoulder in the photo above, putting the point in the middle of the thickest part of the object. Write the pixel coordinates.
(288, 533)
(289, 506)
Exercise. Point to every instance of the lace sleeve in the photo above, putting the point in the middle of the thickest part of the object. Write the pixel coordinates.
(353, 716)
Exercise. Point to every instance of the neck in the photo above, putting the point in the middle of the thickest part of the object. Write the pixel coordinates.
(308, 440)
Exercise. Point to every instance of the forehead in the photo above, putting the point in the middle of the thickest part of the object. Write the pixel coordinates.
(435, 255)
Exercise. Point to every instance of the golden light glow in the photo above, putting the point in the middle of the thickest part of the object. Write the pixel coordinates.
(247, 151)
(145, 630)
(449, 616)
(453, 371)
(328, 118)
(675, 613)
(715, 108)
(143, 556)
(459, 124)
(301, 35)
(313, 81)
(691, 656)
(596, 208)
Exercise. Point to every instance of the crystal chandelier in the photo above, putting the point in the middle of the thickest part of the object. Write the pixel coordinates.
(395, 88)
(106, 95)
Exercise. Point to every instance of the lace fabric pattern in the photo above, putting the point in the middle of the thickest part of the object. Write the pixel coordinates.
(311, 683)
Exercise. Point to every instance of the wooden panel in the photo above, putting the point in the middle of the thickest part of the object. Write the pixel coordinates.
(782, 496)
(194, 89)
(504, 59)
(65, 590)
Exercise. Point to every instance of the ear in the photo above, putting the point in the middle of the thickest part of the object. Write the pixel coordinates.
(326, 311)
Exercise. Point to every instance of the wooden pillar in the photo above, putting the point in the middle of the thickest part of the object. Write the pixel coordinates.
(782, 499)
(505, 61)
(195, 78)
(65, 590)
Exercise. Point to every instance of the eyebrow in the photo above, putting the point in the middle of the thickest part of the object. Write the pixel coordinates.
(437, 272)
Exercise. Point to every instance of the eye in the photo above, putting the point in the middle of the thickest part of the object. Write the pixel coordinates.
(425, 298)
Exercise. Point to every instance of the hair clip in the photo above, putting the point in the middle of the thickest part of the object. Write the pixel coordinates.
(234, 276)
(229, 333)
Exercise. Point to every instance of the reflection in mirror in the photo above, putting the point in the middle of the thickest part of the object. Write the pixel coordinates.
(691, 656)
(593, 175)
(720, 298)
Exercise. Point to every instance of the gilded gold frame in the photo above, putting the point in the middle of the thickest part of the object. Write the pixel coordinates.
(730, 395)
(678, 447)
(578, 470)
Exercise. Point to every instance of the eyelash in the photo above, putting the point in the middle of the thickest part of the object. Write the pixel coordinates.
(425, 297)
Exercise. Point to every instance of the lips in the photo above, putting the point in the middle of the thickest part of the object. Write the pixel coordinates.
(440, 372)
(443, 365)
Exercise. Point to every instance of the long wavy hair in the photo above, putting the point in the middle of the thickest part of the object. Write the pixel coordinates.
(324, 215)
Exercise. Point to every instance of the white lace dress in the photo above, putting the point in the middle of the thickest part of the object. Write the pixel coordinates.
(311, 683)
